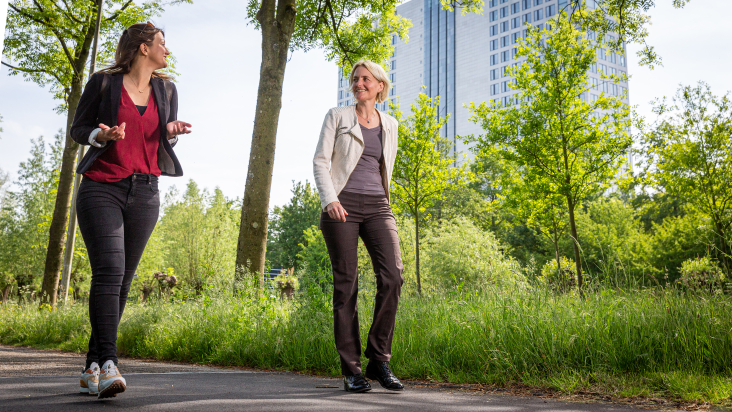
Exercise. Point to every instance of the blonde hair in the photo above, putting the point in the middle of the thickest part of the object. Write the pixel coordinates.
(379, 74)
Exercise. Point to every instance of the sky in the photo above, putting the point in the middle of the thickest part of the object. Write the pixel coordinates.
(219, 57)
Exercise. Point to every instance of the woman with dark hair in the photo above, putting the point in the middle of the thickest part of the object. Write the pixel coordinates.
(128, 114)
(352, 167)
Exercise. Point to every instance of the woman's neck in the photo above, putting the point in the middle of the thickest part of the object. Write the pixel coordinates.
(140, 75)
(365, 108)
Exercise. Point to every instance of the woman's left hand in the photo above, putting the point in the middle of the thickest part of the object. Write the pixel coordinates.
(177, 127)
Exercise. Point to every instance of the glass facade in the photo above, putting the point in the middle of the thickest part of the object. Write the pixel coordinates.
(439, 58)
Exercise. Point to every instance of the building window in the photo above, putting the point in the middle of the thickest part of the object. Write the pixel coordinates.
(538, 2)
(494, 59)
(515, 8)
(494, 44)
(513, 52)
(540, 27)
(504, 26)
(603, 68)
(526, 18)
(393, 40)
(515, 37)
(492, 3)
(494, 30)
(504, 56)
(601, 53)
(595, 84)
(590, 35)
(504, 86)
(393, 64)
(562, 4)
(515, 22)
(604, 87)
(538, 14)
(392, 92)
(593, 68)
(494, 74)
(613, 58)
(494, 15)
(614, 89)
(504, 11)
(504, 41)
(392, 77)
(551, 10)
(525, 4)
(622, 60)
(494, 89)
(504, 71)
(340, 94)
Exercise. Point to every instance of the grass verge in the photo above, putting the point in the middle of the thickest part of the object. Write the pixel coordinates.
(650, 344)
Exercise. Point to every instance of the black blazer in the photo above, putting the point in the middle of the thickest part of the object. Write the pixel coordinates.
(102, 106)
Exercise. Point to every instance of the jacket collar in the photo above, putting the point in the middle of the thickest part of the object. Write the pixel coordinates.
(161, 99)
(158, 91)
(353, 122)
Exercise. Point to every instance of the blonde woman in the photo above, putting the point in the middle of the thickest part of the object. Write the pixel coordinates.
(352, 167)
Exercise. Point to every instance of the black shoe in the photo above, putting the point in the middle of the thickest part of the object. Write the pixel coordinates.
(380, 371)
(356, 384)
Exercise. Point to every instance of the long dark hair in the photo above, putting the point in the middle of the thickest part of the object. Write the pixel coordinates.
(129, 46)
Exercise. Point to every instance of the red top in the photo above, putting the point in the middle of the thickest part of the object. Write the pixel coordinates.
(138, 151)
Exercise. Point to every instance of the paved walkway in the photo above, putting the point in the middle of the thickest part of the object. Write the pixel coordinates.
(37, 380)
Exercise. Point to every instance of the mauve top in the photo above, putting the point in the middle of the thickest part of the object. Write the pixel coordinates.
(138, 151)
(366, 177)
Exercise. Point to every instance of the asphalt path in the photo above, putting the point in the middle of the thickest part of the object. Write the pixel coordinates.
(38, 380)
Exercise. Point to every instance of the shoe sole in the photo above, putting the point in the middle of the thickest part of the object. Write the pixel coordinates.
(374, 378)
(358, 390)
(113, 389)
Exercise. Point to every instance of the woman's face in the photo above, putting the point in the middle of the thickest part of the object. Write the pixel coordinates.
(157, 52)
(365, 86)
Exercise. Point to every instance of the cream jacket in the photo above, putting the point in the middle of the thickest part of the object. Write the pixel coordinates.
(340, 147)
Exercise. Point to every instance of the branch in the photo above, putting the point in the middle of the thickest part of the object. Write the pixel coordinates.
(335, 32)
(117, 13)
(60, 39)
(21, 69)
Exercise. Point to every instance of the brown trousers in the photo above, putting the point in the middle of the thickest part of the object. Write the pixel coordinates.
(369, 217)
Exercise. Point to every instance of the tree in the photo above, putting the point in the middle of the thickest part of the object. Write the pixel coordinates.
(26, 216)
(557, 137)
(49, 42)
(348, 30)
(289, 222)
(689, 154)
(423, 170)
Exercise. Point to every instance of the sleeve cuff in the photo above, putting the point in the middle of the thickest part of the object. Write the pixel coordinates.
(173, 141)
(93, 138)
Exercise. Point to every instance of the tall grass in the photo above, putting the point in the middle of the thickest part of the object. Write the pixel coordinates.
(661, 343)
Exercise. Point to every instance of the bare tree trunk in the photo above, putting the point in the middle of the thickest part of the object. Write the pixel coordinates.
(57, 230)
(277, 22)
(416, 242)
(575, 241)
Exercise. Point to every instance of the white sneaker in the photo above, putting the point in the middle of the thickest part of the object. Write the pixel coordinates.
(89, 382)
(110, 381)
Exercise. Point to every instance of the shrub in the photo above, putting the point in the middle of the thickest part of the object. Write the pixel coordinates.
(458, 253)
(701, 275)
(562, 280)
(316, 271)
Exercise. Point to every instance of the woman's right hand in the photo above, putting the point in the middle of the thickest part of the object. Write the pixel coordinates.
(336, 211)
(110, 133)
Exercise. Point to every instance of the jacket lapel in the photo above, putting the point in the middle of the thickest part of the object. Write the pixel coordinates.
(115, 95)
(161, 100)
(354, 128)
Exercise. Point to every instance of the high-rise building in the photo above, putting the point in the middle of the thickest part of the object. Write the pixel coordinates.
(463, 59)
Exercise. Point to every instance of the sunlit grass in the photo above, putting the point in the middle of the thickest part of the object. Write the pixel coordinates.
(625, 344)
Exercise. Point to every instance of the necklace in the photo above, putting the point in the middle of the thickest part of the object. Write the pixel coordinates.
(367, 120)
(141, 91)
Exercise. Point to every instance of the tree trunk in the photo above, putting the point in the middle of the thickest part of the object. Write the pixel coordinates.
(57, 230)
(416, 250)
(277, 27)
(575, 241)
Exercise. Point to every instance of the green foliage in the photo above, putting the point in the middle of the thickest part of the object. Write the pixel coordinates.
(316, 273)
(559, 279)
(26, 216)
(690, 156)
(196, 237)
(675, 240)
(288, 223)
(460, 255)
(701, 275)
(347, 30)
(49, 42)
(615, 249)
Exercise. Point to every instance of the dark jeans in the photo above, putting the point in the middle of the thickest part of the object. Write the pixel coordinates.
(370, 218)
(116, 220)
